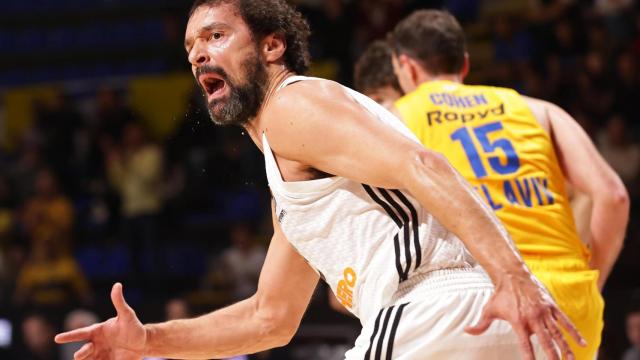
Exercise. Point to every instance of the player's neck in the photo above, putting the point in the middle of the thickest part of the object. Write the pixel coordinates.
(276, 75)
(457, 78)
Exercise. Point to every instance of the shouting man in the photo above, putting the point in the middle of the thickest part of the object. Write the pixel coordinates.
(399, 236)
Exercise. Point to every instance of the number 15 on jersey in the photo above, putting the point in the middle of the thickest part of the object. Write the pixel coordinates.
(489, 149)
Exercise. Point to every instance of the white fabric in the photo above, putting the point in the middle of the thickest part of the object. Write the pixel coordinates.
(335, 224)
(431, 324)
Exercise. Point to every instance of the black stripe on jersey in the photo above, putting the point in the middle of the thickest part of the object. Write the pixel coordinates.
(396, 248)
(384, 205)
(405, 229)
(394, 328)
(414, 224)
(383, 333)
(373, 336)
(394, 217)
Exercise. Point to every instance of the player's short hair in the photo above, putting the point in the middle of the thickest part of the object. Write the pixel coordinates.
(264, 17)
(434, 38)
(374, 69)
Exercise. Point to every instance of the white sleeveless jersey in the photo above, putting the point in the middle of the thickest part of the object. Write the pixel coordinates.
(363, 241)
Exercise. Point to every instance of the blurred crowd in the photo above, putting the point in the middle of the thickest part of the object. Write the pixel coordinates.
(89, 196)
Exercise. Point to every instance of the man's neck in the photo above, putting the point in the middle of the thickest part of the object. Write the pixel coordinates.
(277, 74)
(425, 78)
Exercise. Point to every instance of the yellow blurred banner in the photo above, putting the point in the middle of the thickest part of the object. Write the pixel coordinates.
(160, 100)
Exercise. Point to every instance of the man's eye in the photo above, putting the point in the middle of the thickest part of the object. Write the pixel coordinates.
(216, 36)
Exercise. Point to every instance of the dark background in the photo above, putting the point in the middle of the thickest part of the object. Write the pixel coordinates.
(87, 85)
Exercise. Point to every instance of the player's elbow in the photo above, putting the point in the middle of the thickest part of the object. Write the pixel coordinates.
(616, 197)
(621, 198)
(426, 164)
(276, 324)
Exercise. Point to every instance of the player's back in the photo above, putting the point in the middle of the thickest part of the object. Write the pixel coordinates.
(491, 137)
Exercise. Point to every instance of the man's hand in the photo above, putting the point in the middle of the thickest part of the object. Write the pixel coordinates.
(122, 337)
(530, 310)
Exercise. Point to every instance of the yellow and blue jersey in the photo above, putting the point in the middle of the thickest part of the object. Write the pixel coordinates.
(491, 137)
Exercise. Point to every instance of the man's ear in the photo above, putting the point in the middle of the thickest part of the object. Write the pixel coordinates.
(412, 69)
(466, 66)
(273, 47)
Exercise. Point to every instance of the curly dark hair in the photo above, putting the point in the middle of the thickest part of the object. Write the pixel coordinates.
(374, 69)
(266, 17)
(434, 38)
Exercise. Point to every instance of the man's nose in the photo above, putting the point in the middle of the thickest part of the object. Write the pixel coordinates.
(198, 55)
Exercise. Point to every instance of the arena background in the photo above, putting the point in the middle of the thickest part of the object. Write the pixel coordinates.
(84, 83)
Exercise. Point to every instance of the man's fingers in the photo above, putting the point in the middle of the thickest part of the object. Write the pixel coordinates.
(545, 340)
(525, 342)
(85, 352)
(559, 339)
(569, 327)
(117, 298)
(82, 334)
(482, 325)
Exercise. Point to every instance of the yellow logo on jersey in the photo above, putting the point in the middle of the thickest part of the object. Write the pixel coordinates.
(344, 291)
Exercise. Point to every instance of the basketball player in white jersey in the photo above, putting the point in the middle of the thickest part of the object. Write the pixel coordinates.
(397, 259)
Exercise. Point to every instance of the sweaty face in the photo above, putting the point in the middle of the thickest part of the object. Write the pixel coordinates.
(244, 98)
(225, 61)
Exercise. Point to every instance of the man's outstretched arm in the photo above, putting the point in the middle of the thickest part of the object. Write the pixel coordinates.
(318, 124)
(268, 319)
(590, 174)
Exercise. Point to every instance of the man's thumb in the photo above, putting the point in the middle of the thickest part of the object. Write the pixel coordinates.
(117, 297)
(482, 325)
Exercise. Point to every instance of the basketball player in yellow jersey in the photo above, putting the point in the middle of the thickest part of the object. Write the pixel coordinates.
(516, 152)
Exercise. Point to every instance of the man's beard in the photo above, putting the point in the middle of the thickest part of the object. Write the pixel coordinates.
(244, 100)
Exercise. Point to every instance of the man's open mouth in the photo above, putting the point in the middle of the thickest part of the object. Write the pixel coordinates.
(212, 84)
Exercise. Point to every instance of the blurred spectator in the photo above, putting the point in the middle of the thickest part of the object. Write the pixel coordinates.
(6, 234)
(511, 43)
(23, 172)
(375, 19)
(627, 88)
(594, 88)
(633, 334)
(136, 171)
(57, 120)
(51, 278)
(7, 214)
(74, 320)
(239, 266)
(48, 212)
(615, 15)
(564, 43)
(620, 152)
(112, 115)
(177, 309)
(330, 22)
(37, 334)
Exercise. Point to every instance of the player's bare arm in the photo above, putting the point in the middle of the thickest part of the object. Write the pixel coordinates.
(269, 319)
(589, 173)
(356, 146)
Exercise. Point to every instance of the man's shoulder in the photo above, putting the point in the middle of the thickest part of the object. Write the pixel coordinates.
(305, 87)
(303, 96)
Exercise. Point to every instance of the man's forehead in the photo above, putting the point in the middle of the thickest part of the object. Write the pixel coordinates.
(206, 15)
